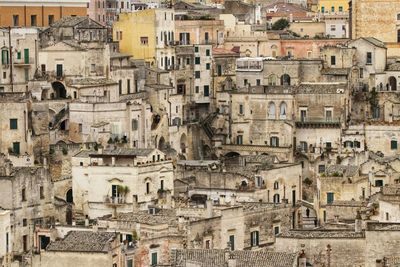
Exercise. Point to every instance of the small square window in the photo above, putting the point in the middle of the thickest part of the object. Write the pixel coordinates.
(144, 40)
(13, 124)
(208, 66)
(197, 74)
(208, 53)
(196, 49)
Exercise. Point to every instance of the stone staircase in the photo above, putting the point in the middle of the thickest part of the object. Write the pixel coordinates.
(206, 124)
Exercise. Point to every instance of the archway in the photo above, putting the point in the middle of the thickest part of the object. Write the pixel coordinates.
(161, 143)
(183, 143)
(232, 154)
(69, 197)
(393, 83)
(59, 89)
(64, 125)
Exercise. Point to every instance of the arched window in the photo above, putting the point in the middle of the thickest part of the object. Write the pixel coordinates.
(276, 198)
(271, 110)
(272, 79)
(285, 80)
(282, 111)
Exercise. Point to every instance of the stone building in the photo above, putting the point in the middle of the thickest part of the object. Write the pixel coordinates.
(123, 176)
(19, 64)
(83, 248)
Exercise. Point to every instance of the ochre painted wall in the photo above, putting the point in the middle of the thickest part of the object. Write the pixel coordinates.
(42, 14)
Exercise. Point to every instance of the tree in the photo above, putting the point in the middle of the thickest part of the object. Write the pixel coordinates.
(280, 24)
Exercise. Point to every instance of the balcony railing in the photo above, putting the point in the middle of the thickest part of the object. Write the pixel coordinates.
(318, 123)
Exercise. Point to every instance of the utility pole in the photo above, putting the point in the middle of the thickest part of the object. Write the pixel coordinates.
(10, 59)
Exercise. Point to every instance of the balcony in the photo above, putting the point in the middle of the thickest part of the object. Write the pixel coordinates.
(318, 123)
(23, 62)
(249, 64)
(113, 201)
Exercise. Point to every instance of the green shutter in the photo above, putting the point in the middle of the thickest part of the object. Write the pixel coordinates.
(26, 55)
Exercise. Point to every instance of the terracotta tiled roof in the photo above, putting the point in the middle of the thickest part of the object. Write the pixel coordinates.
(83, 241)
(219, 257)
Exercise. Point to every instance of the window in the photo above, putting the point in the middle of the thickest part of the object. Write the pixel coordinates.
(51, 19)
(282, 111)
(303, 146)
(340, 9)
(128, 85)
(13, 124)
(4, 57)
(333, 60)
(274, 141)
(197, 74)
(387, 216)
(208, 244)
(361, 73)
(276, 185)
(41, 192)
(92, 67)
(161, 183)
(239, 139)
(254, 238)
(219, 70)
(330, 197)
(24, 222)
(206, 90)
(197, 60)
(129, 263)
(276, 230)
(15, 148)
(321, 168)
(241, 109)
(285, 80)
(120, 87)
(33, 20)
(144, 40)
(196, 49)
(369, 58)
(80, 127)
(271, 110)
(147, 188)
(357, 144)
(328, 114)
(19, 55)
(276, 198)
(333, 28)
(378, 183)
(208, 53)
(398, 16)
(232, 242)
(208, 66)
(322, 9)
(303, 114)
(332, 9)
(23, 196)
(154, 258)
(206, 37)
(393, 144)
(15, 20)
(26, 75)
(134, 124)
(114, 191)
(245, 82)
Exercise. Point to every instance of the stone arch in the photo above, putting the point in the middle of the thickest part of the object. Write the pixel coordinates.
(59, 89)
(393, 83)
(64, 125)
(183, 143)
(161, 143)
(285, 80)
(232, 154)
(69, 196)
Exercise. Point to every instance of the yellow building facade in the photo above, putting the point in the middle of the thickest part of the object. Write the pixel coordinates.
(333, 6)
(20, 13)
(148, 35)
(136, 34)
